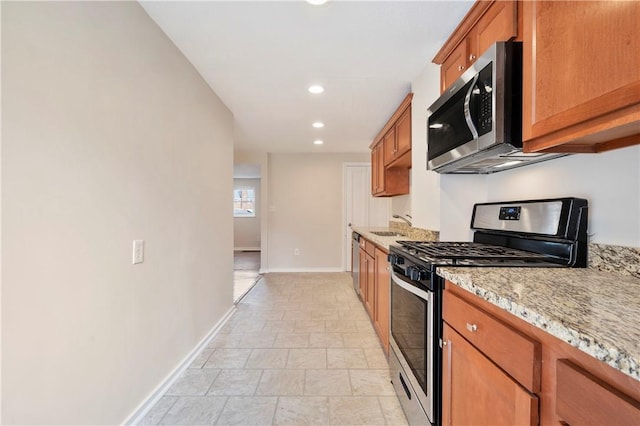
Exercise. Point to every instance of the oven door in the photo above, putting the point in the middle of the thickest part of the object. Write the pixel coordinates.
(412, 337)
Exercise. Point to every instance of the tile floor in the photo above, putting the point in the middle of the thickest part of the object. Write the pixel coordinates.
(246, 267)
(299, 350)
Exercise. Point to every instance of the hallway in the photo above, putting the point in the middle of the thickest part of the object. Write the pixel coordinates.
(246, 267)
(299, 350)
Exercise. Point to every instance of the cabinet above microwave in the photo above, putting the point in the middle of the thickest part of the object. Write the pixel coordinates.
(581, 72)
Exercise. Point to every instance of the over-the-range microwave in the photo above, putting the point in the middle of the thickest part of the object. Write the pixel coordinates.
(476, 125)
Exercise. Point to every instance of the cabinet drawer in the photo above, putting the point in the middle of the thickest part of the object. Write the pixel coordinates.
(514, 352)
(583, 399)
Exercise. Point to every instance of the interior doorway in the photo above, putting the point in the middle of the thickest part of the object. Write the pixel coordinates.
(360, 207)
(246, 228)
(246, 272)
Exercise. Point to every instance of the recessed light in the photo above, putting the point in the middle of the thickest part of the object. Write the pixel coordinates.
(318, 124)
(316, 89)
(318, 142)
(317, 2)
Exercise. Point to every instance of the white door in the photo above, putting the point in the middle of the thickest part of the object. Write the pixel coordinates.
(361, 209)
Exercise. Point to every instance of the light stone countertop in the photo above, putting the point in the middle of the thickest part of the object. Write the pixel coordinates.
(413, 234)
(594, 311)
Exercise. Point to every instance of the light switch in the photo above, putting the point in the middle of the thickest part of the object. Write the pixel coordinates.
(138, 251)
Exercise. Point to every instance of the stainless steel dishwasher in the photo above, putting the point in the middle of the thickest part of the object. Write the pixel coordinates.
(355, 261)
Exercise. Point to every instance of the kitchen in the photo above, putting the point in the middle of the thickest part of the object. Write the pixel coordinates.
(436, 202)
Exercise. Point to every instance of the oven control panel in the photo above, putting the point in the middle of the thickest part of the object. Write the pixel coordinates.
(509, 213)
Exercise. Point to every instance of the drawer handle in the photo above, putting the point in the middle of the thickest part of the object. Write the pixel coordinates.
(472, 57)
(472, 327)
(460, 67)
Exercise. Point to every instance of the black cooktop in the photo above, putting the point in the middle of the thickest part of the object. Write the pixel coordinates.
(470, 254)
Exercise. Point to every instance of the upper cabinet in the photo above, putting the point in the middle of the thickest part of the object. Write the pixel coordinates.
(486, 23)
(581, 72)
(391, 154)
(581, 68)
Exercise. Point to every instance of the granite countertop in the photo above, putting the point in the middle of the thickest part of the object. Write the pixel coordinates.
(597, 312)
(413, 234)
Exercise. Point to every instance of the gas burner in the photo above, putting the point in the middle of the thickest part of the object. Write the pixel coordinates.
(467, 252)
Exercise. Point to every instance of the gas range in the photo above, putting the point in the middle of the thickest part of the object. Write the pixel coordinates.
(533, 233)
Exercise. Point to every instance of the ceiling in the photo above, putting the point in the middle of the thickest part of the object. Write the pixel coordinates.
(260, 58)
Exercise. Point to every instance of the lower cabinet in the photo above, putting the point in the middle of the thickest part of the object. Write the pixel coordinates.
(369, 300)
(498, 369)
(381, 310)
(374, 288)
(476, 392)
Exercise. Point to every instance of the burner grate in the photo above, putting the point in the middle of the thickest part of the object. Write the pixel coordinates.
(469, 251)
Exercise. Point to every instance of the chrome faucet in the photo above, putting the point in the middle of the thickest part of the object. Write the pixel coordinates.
(402, 218)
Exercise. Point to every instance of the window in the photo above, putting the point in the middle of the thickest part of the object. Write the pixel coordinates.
(244, 202)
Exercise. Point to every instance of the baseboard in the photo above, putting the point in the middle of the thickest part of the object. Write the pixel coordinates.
(146, 405)
(246, 249)
(328, 269)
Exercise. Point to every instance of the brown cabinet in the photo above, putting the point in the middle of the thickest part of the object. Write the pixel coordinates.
(542, 375)
(369, 300)
(477, 392)
(581, 75)
(374, 288)
(381, 310)
(367, 275)
(391, 154)
(489, 359)
(582, 399)
(362, 277)
(397, 142)
(486, 23)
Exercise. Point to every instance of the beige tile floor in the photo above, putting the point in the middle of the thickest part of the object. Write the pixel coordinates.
(246, 267)
(299, 350)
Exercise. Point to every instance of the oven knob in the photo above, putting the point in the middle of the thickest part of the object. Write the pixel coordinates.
(395, 259)
(417, 274)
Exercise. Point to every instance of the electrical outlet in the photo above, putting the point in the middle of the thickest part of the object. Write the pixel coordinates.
(296, 252)
(138, 251)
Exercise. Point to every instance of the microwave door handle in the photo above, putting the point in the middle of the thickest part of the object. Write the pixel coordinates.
(467, 110)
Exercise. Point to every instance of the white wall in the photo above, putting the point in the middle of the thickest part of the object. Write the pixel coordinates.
(246, 230)
(610, 181)
(305, 210)
(425, 201)
(108, 135)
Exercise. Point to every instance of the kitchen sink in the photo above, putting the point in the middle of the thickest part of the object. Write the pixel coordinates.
(388, 234)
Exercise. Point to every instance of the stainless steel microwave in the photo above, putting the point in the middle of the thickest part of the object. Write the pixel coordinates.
(476, 125)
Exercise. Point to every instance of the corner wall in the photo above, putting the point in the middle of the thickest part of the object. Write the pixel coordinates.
(108, 135)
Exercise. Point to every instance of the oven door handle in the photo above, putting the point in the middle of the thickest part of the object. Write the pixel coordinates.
(410, 288)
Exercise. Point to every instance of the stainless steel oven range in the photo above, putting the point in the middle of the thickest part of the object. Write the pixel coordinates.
(532, 233)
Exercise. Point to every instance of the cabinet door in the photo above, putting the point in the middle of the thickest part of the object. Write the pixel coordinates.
(403, 132)
(369, 300)
(380, 167)
(377, 170)
(374, 172)
(581, 75)
(362, 280)
(476, 392)
(381, 311)
(390, 147)
(582, 399)
(454, 66)
(499, 23)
